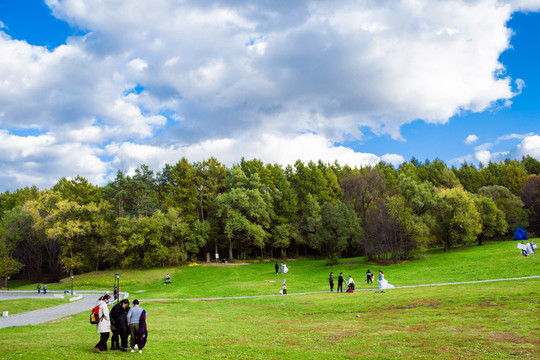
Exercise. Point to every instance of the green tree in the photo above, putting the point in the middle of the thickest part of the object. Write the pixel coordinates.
(510, 204)
(491, 217)
(78, 190)
(458, 219)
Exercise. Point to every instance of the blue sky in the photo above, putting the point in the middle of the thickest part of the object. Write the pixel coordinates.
(89, 88)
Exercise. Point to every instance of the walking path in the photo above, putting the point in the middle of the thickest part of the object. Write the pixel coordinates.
(321, 292)
(44, 315)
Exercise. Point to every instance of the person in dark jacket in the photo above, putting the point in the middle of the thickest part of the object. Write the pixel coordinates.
(123, 328)
(331, 280)
(115, 314)
(340, 281)
(277, 268)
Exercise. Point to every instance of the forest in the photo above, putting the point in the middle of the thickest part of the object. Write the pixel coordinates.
(188, 211)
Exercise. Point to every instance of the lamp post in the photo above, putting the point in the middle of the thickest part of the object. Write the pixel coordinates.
(116, 290)
(7, 283)
(72, 276)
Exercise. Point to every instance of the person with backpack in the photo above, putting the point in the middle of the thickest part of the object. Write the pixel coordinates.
(103, 327)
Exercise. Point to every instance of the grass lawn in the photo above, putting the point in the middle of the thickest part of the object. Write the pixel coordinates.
(490, 261)
(17, 306)
(495, 320)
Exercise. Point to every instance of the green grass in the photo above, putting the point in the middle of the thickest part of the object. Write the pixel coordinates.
(490, 261)
(17, 306)
(495, 320)
(475, 321)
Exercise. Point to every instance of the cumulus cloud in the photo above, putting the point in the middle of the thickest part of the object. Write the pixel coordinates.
(203, 78)
(471, 139)
(530, 145)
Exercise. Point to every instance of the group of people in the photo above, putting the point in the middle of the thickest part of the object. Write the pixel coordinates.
(44, 289)
(281, 268)
(123, 321)
(383, 283)
(528, 248)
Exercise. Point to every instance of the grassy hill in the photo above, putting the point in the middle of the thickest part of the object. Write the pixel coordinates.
(495, 320)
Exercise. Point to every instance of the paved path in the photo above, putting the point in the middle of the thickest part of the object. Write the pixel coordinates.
(321, 292)
(44, 315)
(57, 312)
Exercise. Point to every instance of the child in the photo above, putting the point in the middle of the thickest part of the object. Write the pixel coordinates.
(284, 287)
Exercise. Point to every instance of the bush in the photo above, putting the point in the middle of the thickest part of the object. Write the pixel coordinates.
(332, 259)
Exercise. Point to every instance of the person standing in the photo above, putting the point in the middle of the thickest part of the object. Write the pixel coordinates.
(115, 313)
(277, 268)
(384, 283)
(122, 325)
(104, 326)
(331, 280)
(38, 288)
(133, 317)
(44, 289)
(340, 281)
(281, 267)
(533, 245)
(380, 279)
(284, 287)
(369, 278)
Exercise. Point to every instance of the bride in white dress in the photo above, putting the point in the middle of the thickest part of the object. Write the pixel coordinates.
(383, 283)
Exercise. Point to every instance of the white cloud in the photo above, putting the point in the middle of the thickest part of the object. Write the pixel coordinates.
(471, 139)
(215, 75)
(514, 136)
(529, 146)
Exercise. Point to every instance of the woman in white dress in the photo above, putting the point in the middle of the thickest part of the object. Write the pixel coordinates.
(383, 283)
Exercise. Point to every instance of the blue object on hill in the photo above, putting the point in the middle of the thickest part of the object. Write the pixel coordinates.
(520, 234)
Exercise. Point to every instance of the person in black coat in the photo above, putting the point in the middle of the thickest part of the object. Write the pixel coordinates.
(119, 325)
(340, 281)
(331, 280)
(277, 268)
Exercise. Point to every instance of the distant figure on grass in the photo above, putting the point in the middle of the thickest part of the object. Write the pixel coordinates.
(523, 248)
(284, 287)
(529, 248)
(119, 325)
(167, 280)
(38, 289)
(133, 318)
(285, 268)
(351, 283)
(116, 293)
(331, 280)
(533, 246)
(281, 267)
(104, 326)
(383, 283)
(44, 289)
(340, 281)
(277, 268)
(369, 277)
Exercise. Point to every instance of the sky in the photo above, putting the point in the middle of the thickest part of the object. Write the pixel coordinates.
(92, 87)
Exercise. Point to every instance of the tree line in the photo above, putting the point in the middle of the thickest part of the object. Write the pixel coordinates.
(256, 210)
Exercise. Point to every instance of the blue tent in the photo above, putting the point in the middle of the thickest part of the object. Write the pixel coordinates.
(520, 234)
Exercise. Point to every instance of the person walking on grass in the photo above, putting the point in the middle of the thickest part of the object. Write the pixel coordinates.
(103, 328)
(331, 280)
(133, 318)
(38, 288)
(44, 289)
(277, 268)
(340, 281)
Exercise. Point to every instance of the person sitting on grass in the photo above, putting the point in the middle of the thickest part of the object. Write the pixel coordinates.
(167, 279)
(351, 283)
